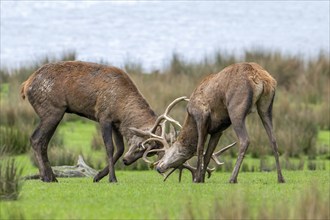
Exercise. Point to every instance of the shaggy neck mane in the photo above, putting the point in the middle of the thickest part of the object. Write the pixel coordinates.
(140, 116)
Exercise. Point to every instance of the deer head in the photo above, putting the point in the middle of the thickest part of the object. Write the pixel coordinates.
(176, 156)
(171, 154)
(149, 142)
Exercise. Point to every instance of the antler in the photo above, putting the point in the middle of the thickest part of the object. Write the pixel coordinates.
(162, 119)
(193, 169)
(218, 153)
(165, 116)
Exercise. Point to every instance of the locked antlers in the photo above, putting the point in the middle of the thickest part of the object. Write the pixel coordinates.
(162, 139)
(166, 140)
(192, 169)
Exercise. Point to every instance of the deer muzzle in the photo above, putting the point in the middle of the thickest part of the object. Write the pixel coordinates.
(161, 167)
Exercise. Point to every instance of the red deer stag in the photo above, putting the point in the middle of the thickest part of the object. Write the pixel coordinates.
(220, 100)
(101, 93)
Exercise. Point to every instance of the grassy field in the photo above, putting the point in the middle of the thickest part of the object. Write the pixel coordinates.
(143, 195)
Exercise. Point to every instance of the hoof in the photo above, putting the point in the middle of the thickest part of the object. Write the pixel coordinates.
(198, 180)
(97, 178)
(112, 180)
(233, 181)
(51, 179)
(281, 180)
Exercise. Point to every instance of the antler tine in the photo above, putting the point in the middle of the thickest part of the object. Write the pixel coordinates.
(170, 137)
(164, 130)
(149, 150)
(170, 119)
(216, 154)
(167, 175)
(167, 111)
(191, 169)
(145, 133)
(172, 104)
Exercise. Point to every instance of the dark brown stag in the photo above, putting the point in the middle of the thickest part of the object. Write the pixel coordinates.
(101, 93)
(221, 100)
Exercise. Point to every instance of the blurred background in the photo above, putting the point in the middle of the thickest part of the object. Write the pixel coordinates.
(167, 48)
(150, 32)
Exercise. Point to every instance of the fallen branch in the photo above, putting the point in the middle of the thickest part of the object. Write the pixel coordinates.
(79, 170)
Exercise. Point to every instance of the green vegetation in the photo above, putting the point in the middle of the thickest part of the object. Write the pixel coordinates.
(300, 109)
(143, 195)
(10, 182)
(302, 127)
(324, 137)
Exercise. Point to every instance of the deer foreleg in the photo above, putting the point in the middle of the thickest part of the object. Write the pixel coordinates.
(106, 128)
(202, 133)
(118, 138)
(214, 139)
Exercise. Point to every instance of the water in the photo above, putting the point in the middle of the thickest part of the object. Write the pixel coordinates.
(150, 32)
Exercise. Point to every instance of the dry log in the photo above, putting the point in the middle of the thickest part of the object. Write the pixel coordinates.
(79, 170)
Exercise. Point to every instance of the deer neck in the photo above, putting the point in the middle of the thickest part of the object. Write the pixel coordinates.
(140, 116)
(188, 137)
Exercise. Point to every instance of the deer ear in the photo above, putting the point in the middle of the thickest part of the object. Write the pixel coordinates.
(139, 132)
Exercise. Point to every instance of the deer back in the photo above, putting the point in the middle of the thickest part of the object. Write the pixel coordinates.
(91, 90)
(238, 82)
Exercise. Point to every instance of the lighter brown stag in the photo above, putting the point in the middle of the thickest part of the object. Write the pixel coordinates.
(221, 100)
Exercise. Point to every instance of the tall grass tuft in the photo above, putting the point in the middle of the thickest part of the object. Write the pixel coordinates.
(309, 205)
(13, 141)
(10, 180)
(58, 156)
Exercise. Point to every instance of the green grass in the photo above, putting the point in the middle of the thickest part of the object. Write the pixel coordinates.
(143, 195)
(4, 90)
(77, 137)
(78, 134)
(324, 137)
(323, 143)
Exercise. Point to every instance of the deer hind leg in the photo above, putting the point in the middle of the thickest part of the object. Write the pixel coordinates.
(39, 141)
(243, 137)
(238, 110)
(119, 141)
(265, 108)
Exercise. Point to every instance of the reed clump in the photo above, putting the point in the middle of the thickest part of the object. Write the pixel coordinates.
(309, 204)
(10, 179)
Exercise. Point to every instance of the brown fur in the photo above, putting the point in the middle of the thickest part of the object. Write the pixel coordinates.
(221, 100)
(101, 93)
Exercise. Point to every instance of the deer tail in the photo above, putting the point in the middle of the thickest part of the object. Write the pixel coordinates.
(23, 90)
